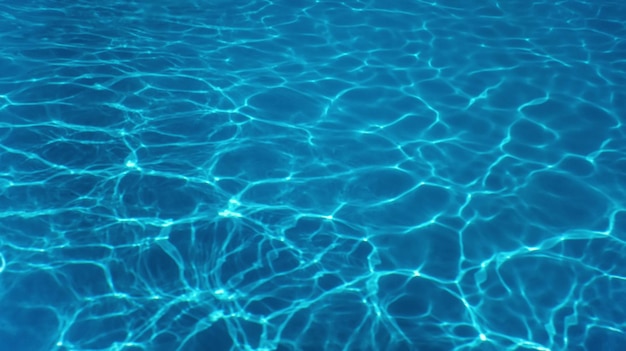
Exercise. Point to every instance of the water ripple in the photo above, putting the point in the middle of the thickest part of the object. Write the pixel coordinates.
(312, 175)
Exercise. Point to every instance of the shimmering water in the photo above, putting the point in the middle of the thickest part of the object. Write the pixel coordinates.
(312, 175)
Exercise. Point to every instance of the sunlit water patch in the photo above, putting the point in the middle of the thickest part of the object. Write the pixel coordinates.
(312, 175)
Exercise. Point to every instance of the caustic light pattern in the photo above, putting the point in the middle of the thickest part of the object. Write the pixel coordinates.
(312, 175)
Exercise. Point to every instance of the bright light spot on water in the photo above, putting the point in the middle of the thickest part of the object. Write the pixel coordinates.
(219, 292)
(328, 217)
(483, 337)
(416, 273)
(234, 202)
(131, 164)
(227, 213)
(216, 315)
(3, 263)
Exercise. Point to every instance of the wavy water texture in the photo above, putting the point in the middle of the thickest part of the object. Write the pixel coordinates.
(313, 175)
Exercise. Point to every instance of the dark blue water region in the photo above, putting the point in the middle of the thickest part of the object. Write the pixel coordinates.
(312, 175)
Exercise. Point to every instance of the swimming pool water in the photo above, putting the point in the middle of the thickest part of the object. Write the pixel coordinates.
(313, 175)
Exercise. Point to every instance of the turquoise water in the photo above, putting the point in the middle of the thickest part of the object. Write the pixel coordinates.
(312, 175)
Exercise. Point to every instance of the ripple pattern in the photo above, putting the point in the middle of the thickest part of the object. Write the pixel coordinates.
(313, 175)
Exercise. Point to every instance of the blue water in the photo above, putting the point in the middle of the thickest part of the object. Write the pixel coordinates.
(312, 175)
